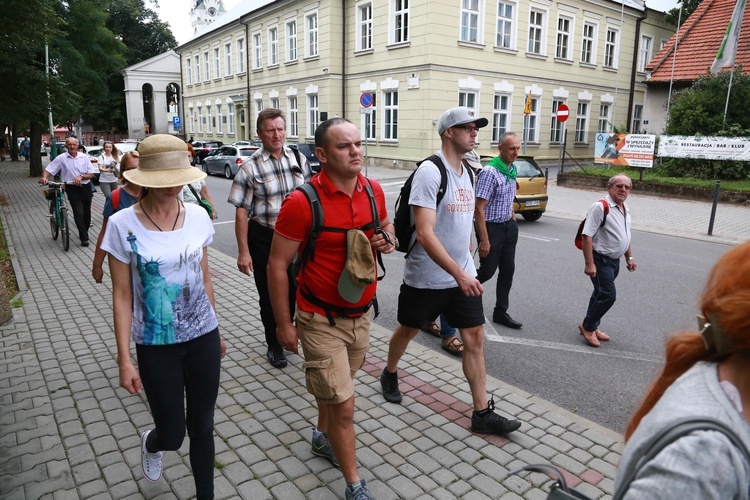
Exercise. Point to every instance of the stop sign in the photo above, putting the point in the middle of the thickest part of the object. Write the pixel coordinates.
(562, 112)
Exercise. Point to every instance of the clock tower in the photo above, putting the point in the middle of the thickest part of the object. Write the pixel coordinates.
(205, 12)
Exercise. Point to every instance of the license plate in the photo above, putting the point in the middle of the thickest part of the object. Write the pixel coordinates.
(533, 203)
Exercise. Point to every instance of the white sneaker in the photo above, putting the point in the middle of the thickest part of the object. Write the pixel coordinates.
(150, 462)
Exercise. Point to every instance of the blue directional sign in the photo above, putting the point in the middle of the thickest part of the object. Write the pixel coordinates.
(366, 99)
(176, 121)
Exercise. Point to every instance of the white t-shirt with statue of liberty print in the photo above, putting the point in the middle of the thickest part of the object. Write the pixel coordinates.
(170, 304)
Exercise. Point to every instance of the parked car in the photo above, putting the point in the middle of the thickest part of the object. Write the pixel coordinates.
(227, 160)
(203, 149)
(241, 143)
(531, 196)
(308, 150)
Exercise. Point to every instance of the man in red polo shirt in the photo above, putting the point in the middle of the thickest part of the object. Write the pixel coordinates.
(333, 317)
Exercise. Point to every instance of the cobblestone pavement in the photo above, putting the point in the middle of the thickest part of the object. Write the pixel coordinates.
(68, 431)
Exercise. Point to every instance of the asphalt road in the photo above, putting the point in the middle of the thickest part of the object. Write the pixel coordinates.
(548, 356)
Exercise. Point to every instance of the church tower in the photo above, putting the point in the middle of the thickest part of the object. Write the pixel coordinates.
(205, 12)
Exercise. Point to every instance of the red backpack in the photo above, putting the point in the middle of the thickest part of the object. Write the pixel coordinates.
(114, 197)
(579, 234)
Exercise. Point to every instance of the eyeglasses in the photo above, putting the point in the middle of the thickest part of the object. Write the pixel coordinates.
(470, 128)
(622, 186)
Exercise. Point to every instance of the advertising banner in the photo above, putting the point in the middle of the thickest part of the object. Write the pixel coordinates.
(633, 150)
(705, 148)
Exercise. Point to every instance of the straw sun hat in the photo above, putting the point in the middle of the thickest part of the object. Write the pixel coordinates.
(163, 163)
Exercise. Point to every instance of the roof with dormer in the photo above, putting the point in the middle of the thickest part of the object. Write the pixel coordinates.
(698, 40)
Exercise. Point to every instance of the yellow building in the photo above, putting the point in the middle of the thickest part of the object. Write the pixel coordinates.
(417, 57)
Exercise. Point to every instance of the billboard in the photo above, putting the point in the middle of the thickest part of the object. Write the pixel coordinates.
(633, 150)
(704, 148)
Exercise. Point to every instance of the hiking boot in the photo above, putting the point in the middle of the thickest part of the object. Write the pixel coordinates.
(321, 447)
(276, 356)
(492, 423)
(359, 493)
(150, 462)
(389, 384)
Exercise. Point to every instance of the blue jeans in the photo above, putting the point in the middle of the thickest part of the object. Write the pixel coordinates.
(446, 330)
(604, 295)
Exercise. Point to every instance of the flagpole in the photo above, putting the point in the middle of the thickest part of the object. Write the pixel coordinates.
(729, 92)
(728, 49)
(674, 58)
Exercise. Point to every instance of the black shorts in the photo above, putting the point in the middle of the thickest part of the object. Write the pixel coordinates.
(417, 306)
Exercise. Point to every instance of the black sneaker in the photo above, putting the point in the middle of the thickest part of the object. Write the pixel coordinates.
(276, 357)
(389, 383)
(492, 423)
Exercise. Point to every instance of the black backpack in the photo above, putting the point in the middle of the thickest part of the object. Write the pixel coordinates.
(308, 253)
(402, 220)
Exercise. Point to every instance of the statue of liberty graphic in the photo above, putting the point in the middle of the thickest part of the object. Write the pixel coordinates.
(158, 297)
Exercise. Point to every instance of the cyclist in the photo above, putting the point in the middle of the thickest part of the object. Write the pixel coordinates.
(76, 171)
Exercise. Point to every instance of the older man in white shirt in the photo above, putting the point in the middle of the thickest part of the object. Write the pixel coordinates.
(76, 171)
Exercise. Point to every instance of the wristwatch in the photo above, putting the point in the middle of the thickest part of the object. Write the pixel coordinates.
(631, 258)
(395, 242)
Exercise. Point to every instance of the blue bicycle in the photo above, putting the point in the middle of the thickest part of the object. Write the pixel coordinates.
(58, 212)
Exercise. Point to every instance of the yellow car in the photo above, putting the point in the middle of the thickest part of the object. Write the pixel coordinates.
(531, 195)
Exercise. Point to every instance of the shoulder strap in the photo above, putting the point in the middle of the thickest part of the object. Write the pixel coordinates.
(114, 198)
(296, 155)
(660, 441)
(317, 220)
(375, 221)
(443, 177)
(605, 208)
(195, 193)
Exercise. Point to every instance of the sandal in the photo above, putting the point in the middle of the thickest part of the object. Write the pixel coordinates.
(453, 345)
(431, 328)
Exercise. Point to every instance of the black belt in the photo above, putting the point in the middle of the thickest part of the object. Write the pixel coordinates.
(505, 222)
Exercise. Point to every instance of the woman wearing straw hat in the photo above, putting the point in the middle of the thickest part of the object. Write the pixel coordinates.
(164, 298)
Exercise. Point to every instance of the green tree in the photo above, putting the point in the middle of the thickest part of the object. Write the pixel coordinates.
(699, 110)
(688, 7)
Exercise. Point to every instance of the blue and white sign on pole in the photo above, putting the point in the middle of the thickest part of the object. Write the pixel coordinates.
(366, 99)
(176, 121)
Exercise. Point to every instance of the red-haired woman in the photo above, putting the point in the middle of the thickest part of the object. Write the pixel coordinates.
(706, 375)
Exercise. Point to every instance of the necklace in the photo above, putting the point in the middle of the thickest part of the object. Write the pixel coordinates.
(157, 225)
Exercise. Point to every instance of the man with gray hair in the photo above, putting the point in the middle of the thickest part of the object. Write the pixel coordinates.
(439, 273)
(261, 184)
(605, 239)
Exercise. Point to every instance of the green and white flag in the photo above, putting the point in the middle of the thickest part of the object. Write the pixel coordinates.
(728, 49)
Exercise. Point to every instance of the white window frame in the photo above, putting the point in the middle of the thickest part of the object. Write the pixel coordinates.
(364, 27)
(197, 68)
(273, 46)
(389, 128)
(230, 117)
(275, 103)
(313, 114)
(537, 32)
(206, 66)
(469, 99)
(311, 35)
(200, 120)
(611, 47)
(533, 121)
(217, 63)
(291, 41)
(556, 126)
(564, 42)
(501, 115)
(588, 42)
(582, 122)
(191, 118)
(399, 21)
(605, 111)
(637, 119)
(292, 116)
(257, 50)
(219, 118)
(189, 68)
(209, 121)
(258, 107)
(505, 28)
(369, 125)
(645, 52)
(240, 55)
(471, 21)
(228, 59)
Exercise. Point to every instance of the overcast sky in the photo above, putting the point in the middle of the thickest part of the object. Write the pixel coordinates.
(177, 14)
